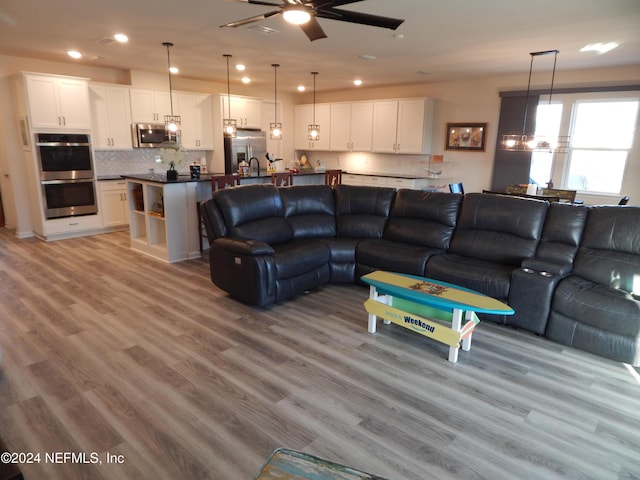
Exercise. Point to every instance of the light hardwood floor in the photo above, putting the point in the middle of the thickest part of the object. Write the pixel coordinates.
(105, 350)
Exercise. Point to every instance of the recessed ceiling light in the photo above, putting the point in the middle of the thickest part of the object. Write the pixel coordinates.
(357, 82)
(367, 57)
(599, 47)
(121, 37)
(240, 67)
(174, 70)
(74, 54)
(301, 88)
(422, 72)
(246, 80)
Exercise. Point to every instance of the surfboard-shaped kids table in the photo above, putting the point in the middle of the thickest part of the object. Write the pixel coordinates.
(429, 307)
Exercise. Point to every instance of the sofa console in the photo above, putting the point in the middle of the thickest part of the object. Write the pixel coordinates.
(571, 273)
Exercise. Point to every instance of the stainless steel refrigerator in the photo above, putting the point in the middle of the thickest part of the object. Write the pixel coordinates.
(246, 145)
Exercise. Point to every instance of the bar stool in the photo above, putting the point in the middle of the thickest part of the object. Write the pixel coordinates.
(333, 177)
(282, 179)
(217, 182)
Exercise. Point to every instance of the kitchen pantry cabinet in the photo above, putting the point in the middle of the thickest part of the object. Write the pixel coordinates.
(196, 116)
(58, 102)
(111, 115)
(150, 106)
(246, 110)
(304, 117)
(351, 126)
(113, 203)
(402, 126)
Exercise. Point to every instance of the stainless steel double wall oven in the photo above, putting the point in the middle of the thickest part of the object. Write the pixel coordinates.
(66, 174)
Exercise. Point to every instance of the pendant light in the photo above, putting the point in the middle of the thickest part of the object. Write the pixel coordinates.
(314, 129)
(524, 142)
(171, 122)
(229, 125)
(275, 128)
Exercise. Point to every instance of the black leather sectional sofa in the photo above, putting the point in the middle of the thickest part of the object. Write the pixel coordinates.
(571, 273)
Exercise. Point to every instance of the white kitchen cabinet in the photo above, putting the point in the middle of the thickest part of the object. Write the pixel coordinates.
(57, 102)
(196, 116)
(111, 117)
(113, 203)
(303, 118)
(245, 110)
(150, 106)
(402, 126)
(351, 126)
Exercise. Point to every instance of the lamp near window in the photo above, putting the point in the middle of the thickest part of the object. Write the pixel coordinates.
(524, 142)
(314, 128)
(229, 125)
(275, 128)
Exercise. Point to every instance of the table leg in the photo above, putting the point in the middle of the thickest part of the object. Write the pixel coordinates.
(466, 342)
(456, 324)
(373, 294)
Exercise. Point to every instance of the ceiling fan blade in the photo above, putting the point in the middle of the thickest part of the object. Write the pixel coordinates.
(358, 17)
(259, 2)
(313, 29)
(257, 18)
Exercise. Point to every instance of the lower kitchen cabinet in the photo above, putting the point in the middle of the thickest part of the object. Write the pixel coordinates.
(113, 203)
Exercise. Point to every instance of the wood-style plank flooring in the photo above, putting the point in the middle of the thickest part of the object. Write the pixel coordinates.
(108, 351)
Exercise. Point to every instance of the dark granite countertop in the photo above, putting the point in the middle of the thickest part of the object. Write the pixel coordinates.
(184, 177)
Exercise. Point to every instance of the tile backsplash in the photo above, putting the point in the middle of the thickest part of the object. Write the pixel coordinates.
(140, 160)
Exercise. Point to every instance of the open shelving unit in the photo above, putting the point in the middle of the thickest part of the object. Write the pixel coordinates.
(160, 220)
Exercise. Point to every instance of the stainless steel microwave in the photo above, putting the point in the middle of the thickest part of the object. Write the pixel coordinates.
(148, 135)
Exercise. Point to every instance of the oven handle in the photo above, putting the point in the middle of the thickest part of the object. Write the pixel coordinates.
(58, 182)
(62, 144)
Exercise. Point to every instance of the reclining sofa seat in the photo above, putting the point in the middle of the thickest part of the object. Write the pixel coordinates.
(532, 286)
(494, 233)
(597, 307)
(420, 225)
(259, 260)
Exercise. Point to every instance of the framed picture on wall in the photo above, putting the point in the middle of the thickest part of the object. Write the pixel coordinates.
(466, 136)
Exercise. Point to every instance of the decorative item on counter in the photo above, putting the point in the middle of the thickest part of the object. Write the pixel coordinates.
(294, 166)
(271, 167)
(172, 154)
(320, 166)
(532, 189)
(203, 165)
(195, 171)
(305, 165)
(243, 168)
(438, 158)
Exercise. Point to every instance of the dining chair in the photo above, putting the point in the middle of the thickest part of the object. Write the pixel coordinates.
(624, 200)
(282, 179)
(333, 177)
(456, 188)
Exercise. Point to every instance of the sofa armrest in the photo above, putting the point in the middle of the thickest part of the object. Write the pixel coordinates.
(244, 246)
(545, 267)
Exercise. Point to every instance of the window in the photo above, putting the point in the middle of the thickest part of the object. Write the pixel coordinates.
(601, 132)
(601, 137)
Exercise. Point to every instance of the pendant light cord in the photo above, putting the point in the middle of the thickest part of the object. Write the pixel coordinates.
(314, 96)
(169, 45)
(228, 85)
(553, 75)
(275, 91)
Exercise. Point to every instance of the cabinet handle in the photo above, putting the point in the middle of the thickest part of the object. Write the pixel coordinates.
(64, 121)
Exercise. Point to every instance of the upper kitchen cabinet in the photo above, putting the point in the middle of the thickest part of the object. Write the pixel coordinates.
(246, 110)
(304, 117)
(149, 106)
(196, 117)
(402, 126)
(57, 102)
(351, 126)
(111, 116)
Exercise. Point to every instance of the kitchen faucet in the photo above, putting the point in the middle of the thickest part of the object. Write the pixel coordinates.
(257, 161)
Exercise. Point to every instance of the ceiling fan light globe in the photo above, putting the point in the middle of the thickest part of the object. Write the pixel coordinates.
(296, 16)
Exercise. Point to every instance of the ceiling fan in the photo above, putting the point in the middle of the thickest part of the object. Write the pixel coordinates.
(305, 13)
